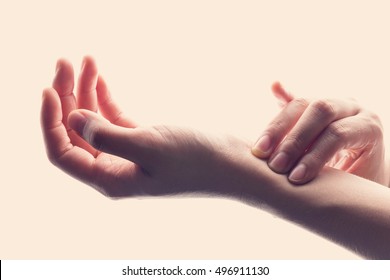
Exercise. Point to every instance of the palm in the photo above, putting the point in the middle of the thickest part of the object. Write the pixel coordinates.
(70, 151)
(116, 174)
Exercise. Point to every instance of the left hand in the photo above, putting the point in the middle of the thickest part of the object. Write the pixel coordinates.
(307, 135)
(119, 158)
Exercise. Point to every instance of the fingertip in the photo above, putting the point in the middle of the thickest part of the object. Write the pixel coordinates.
(101, 85)
(46, 92)
(89, 58)
(62, 63)
(50, 108)
(278, 90)
(258, 153)
(102, 92)
(98, 132)
(281, 94)
(276, 86)
(102, 81)
(63, 78)
(77, 121)
(87, 115)
(263, 147)
(299, 175)
(89, 61)
(49, 95)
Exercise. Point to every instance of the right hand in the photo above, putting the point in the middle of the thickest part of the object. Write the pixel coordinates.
(307, 135)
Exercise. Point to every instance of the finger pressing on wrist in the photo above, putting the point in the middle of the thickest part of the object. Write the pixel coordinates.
(300, 174)
(263, 147)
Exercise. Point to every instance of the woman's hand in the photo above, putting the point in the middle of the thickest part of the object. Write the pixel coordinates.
(120, 159)
(114, 155)
(307, 135)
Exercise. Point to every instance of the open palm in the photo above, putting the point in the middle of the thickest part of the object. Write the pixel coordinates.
(114, 155)
(66, 149)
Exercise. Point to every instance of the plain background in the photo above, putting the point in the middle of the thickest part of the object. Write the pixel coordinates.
(202, 64)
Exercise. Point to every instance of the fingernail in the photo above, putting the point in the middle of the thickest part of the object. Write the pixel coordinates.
(299, 173)
(280, 162)
(77, 122)
(262, 146)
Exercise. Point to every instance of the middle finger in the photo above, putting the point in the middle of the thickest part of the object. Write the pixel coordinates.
(86, 88)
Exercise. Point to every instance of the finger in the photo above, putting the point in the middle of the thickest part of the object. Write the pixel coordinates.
(355, 134)
(63, 83)
(279, 127)
(132, 144)
(59, 148)
(109, 109)
(283, 96)
(86, 88)
(314, 120)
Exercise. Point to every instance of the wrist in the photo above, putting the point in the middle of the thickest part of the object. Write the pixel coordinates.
(237, 173)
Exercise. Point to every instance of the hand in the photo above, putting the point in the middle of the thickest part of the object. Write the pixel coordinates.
(113, 154)
(120, 159)
(306, 135)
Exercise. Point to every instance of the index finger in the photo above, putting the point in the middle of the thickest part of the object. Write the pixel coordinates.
(86, 88)
(279, 127)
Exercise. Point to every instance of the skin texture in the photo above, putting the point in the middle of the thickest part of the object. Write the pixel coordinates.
(307, 135)
(121, 159)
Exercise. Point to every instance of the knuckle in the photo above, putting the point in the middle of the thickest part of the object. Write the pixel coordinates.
(375, 127)
(94, 136)
(337, 131)
(301, 102)
(374, 116)
(323, 108)
(377, 131)
(375, 120)
(119, 116)
(371, 125)
(294, 144)
(315, 160)
(274, 126)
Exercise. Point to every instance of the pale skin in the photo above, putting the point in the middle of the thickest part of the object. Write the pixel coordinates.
(307, 135)
(121, 159)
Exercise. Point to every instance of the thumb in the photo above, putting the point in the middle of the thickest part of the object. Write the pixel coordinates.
(109, 138)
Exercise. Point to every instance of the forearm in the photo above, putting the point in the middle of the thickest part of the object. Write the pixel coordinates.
(344, 208)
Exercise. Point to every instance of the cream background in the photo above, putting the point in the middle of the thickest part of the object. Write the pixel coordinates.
(203, 64)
